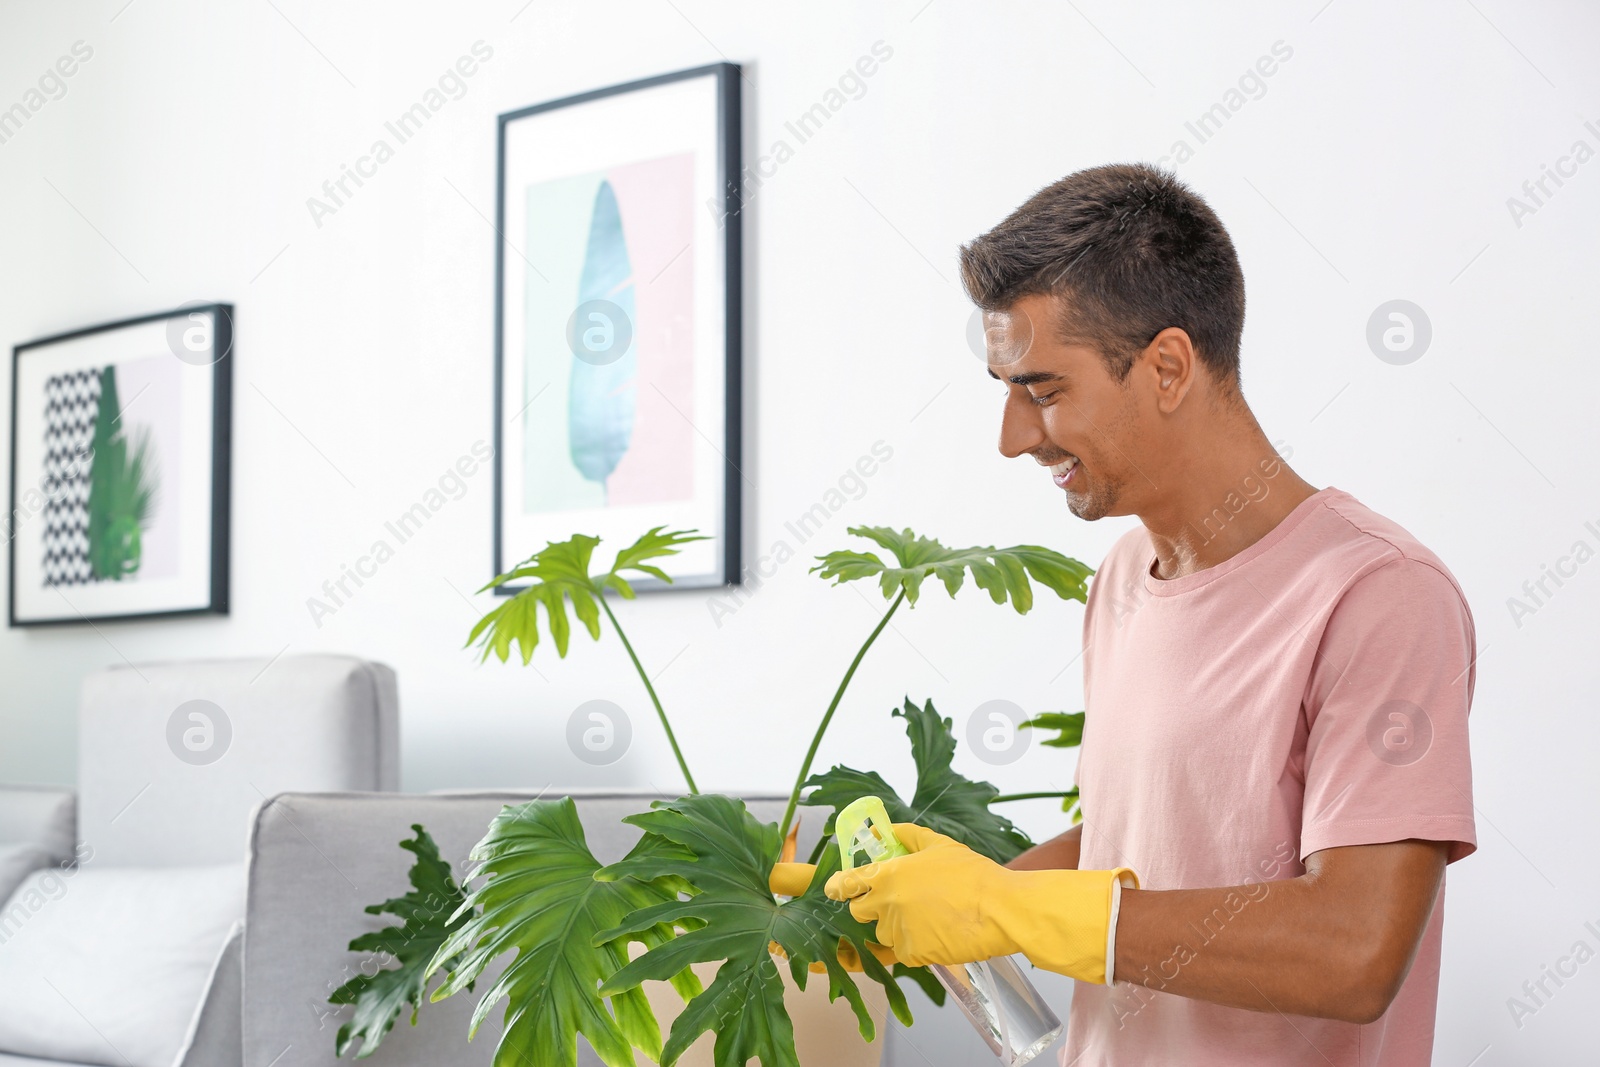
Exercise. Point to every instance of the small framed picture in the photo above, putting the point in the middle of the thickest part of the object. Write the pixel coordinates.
(119, 470)
(617, 322)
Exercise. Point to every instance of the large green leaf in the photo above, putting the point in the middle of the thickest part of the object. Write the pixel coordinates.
(950, 803)
(1003, 572)
(653, 544)
(430, 915)
(1067, 724)
(728, 856)
(540, 898)
(560, 573)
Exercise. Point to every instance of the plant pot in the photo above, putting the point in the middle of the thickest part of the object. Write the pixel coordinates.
(825, 1035)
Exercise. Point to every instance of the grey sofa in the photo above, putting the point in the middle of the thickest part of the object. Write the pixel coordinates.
(317, 860)
(173, 759)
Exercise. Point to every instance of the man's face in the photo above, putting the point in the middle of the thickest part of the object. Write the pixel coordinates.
(1065, 410)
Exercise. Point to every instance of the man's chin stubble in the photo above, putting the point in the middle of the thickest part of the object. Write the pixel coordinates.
(1089, 508)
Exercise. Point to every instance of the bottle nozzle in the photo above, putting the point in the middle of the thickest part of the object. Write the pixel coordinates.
(863, 826)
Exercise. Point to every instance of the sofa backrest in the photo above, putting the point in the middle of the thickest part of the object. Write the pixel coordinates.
(173, 757)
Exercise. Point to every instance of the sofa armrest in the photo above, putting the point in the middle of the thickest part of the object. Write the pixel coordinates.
(316, 861)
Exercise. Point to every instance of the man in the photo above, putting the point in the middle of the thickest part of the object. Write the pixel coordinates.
(1276, 680)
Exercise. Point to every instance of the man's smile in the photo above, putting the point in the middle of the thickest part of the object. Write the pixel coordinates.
(1062, 472)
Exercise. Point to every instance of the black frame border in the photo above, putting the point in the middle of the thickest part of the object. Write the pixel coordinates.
(729, 157)
(221, 464)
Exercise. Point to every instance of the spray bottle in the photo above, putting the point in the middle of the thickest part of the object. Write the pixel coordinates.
(1002, 1005)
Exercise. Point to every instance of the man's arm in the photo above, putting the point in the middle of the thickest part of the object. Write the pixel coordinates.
(1336, 942)
(1059, 853)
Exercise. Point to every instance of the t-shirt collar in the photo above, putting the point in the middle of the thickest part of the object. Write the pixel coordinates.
(1188, 582)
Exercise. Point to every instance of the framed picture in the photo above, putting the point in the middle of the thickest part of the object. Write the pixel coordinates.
(119, 470)
(617, 325)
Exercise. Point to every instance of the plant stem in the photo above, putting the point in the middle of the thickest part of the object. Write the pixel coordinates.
(1033, 796)
(811, 753)
(645, 678)
(816, 850)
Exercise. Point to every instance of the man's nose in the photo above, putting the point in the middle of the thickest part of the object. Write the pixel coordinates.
(1020, 429)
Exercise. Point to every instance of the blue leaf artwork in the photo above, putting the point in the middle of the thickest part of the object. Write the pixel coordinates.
(607, 340)
(601, 392)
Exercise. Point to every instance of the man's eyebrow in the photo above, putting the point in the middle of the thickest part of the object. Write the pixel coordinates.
(1031, 378)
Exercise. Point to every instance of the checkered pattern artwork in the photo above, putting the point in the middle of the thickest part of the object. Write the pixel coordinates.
(72, 401)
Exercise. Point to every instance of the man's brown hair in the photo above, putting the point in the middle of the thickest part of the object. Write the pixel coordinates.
(1128, 250)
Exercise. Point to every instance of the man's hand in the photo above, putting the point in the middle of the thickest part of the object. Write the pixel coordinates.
(928, 905)
(793, 879)
(946, 904)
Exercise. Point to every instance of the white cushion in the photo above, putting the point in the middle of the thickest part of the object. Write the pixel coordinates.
(41, 815)
(108, 965)
(16, 863)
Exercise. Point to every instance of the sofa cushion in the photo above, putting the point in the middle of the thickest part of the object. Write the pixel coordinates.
(103, 965)
(16, 863)
(41, 815)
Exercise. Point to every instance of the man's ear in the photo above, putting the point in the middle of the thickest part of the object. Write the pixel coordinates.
(1172, 363)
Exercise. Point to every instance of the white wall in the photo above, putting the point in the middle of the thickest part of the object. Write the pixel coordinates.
(1377, 164)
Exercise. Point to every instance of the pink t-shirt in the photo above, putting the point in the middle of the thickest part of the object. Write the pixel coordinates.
(1307, 693)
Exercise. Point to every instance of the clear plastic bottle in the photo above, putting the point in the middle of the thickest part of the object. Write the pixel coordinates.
(1003, 1007)
(996, 997)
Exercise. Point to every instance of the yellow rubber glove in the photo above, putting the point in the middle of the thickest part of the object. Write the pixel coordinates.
(946, 904)
(791, 880)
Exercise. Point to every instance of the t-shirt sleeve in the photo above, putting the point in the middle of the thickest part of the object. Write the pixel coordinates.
(1387, 701)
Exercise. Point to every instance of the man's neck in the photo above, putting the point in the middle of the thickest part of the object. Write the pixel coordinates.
(1229, 498)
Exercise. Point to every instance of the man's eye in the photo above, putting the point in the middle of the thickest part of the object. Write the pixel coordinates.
(1042, 401)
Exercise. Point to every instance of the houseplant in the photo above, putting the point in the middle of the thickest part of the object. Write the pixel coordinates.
(695, 887)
